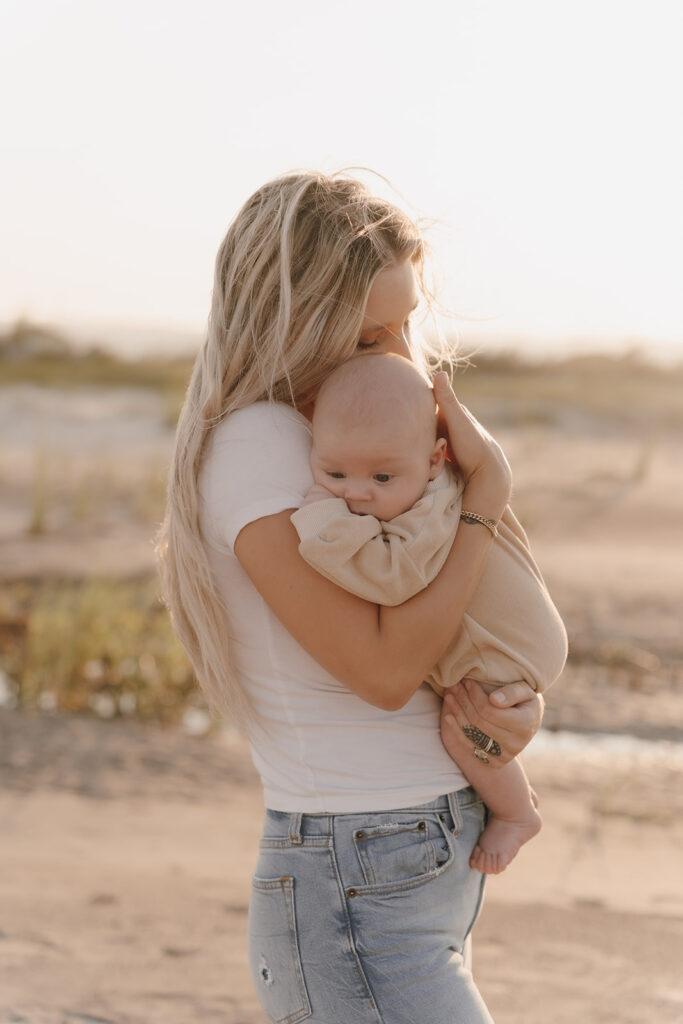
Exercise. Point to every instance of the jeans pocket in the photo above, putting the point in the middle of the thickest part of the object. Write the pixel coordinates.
(402, 852)
(274, 951)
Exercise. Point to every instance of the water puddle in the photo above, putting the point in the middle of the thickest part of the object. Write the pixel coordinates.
(618, 748)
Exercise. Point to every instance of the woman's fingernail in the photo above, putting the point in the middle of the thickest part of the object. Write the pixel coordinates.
(499, 698)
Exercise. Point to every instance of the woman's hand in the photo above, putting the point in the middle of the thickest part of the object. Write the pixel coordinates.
(479, 457)
(510, 715)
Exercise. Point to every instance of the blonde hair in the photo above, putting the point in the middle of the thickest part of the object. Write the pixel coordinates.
(291, 283)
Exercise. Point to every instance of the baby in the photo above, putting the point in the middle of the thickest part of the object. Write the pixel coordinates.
(380, 520)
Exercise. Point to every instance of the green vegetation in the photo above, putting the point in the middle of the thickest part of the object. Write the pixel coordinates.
(63, 496)
(623, 390)
(626, 389)
(35, 355)
(95, 645)
(98, 369)
(40, 497)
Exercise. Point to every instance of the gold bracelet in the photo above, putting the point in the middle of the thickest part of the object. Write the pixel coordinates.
(474, 517)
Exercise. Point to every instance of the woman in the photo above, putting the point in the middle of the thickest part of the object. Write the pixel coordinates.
(363, 899)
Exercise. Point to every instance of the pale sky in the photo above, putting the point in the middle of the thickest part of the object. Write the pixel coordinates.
(544, 137)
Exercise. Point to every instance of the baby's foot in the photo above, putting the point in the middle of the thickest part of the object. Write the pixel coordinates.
(500, 841)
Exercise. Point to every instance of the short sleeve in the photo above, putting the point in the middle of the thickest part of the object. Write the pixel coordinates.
(257, 465)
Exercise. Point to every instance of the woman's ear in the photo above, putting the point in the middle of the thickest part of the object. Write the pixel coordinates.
(437, 458)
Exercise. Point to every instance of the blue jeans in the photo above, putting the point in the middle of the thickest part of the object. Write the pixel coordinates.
(364, 918)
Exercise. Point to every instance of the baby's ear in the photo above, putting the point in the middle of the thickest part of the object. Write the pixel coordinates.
(437, 458)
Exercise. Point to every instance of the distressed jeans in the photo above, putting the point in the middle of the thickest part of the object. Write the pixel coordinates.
(365, 918)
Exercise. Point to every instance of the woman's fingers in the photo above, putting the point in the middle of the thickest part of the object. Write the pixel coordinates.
(457, 743)
(519, 720)
(442, 388)
(450, 409)
(453, 708)
(467, 705)
(511, 694)
(474, 450)
(475, 705)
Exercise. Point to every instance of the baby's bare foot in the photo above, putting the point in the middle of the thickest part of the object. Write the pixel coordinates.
(501, 840)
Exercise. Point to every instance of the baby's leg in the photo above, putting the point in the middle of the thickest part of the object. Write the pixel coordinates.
(513, 818)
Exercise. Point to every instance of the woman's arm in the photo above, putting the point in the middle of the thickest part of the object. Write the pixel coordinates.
(383, 654)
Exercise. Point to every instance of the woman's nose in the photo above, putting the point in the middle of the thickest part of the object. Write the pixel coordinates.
(396, 344)
(400, 347)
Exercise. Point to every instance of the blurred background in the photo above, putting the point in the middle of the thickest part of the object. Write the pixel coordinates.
(541, 145)
(538, 141)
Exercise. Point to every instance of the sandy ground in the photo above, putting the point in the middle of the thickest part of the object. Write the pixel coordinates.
(125, 866)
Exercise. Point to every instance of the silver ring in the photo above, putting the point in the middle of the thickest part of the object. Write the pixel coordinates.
(480, 755)
(482, 740)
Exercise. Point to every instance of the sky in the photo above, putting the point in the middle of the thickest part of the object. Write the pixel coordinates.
(541, 139)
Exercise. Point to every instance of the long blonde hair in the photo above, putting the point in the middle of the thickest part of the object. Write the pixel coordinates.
(291, 283)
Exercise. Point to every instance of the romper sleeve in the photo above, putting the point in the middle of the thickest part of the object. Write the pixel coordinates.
(383, 562)
(257, 465)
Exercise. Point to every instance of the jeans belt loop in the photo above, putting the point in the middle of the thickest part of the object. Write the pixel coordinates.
(295, 828)
(454, 807)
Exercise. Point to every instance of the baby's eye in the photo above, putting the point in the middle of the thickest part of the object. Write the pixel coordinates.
(365, 345)
(382, 478)
(336, 476)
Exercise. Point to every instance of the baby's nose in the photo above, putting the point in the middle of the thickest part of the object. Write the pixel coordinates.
(357, 490)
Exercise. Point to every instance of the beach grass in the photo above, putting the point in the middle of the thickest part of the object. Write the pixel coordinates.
(626, 389)
(624, 392)
(99, 645)
(97, 369)
(105, 647)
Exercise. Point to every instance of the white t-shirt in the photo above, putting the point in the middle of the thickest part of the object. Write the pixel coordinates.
(317, 746)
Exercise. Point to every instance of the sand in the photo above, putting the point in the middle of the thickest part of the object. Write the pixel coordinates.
(125, 868)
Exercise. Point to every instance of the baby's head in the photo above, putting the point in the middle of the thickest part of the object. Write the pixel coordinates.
(374, 435)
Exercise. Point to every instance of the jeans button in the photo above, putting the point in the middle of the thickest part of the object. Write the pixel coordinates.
(351, 893)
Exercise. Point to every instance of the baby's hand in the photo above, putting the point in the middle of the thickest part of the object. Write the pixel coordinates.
(317, 493)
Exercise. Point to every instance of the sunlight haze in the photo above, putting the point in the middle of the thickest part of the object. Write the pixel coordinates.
(542, 138)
